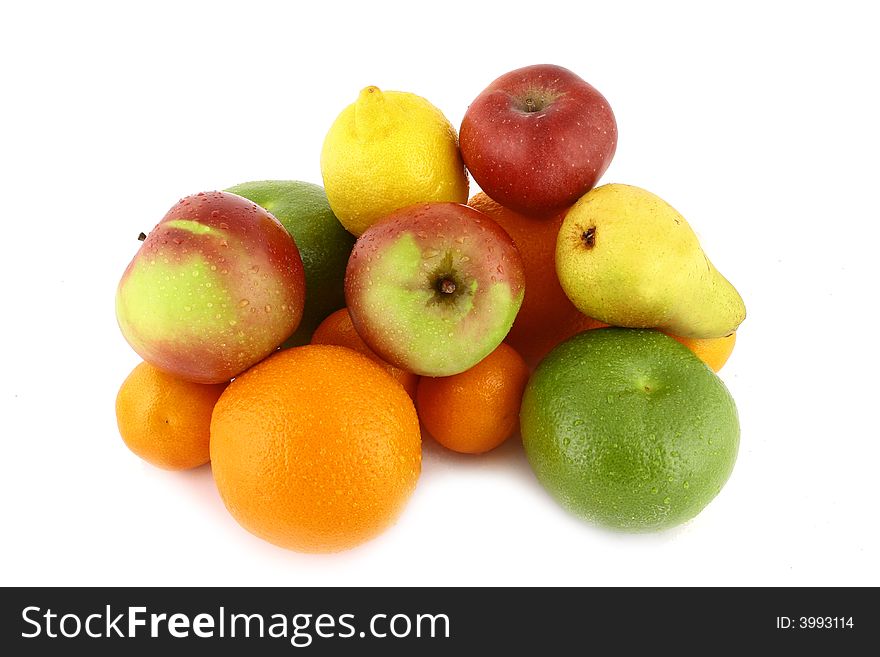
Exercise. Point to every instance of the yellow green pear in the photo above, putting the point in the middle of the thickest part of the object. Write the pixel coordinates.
(627, 258)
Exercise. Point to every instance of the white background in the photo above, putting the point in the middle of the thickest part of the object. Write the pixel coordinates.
(758, 123)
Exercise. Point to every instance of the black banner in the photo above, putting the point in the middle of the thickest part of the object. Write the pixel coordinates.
(435, 621)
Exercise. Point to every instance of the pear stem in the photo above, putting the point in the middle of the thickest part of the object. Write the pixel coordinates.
(588, 237)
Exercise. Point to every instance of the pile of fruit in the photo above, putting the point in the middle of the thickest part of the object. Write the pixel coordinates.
(303, 340)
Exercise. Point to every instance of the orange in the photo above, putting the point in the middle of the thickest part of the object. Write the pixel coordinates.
(712, 351)
(338, 329)
(546, 317)
(315, 449)
(477, 410)
(165, 420)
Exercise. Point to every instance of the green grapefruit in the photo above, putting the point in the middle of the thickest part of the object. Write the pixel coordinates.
(629, 429)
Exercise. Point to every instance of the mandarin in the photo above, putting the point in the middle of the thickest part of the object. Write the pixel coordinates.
(477, 410)
(164, 419)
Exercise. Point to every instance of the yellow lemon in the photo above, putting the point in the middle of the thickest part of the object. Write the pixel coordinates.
(388, 150)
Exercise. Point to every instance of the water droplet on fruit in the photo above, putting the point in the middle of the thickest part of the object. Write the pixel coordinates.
(210, 305)
(255, 268)
(232, 322)
(215, 213)
(654, 490)
(214, 268)
(686, 485)
(218, 316)
(609, 399)
(652, 437)
(268, 308)
(187, 308)
(195, 272)
(223, 226)
(667, 500)
(200, 194)
(243, 303)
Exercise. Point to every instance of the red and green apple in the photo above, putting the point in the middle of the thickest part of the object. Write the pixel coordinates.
(434, 288)
(216, 286)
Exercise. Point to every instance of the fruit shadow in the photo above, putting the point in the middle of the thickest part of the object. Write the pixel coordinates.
(198, 484)
(438, 462)
(509, 456)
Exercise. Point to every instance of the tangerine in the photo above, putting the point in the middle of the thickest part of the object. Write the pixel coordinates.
(164, 419)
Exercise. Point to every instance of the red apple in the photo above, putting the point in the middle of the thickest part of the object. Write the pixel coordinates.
(538, 138)
(434, 288)
(216, 286)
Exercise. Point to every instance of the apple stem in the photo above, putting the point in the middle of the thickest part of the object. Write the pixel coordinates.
(536, 100)
(446, 286)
